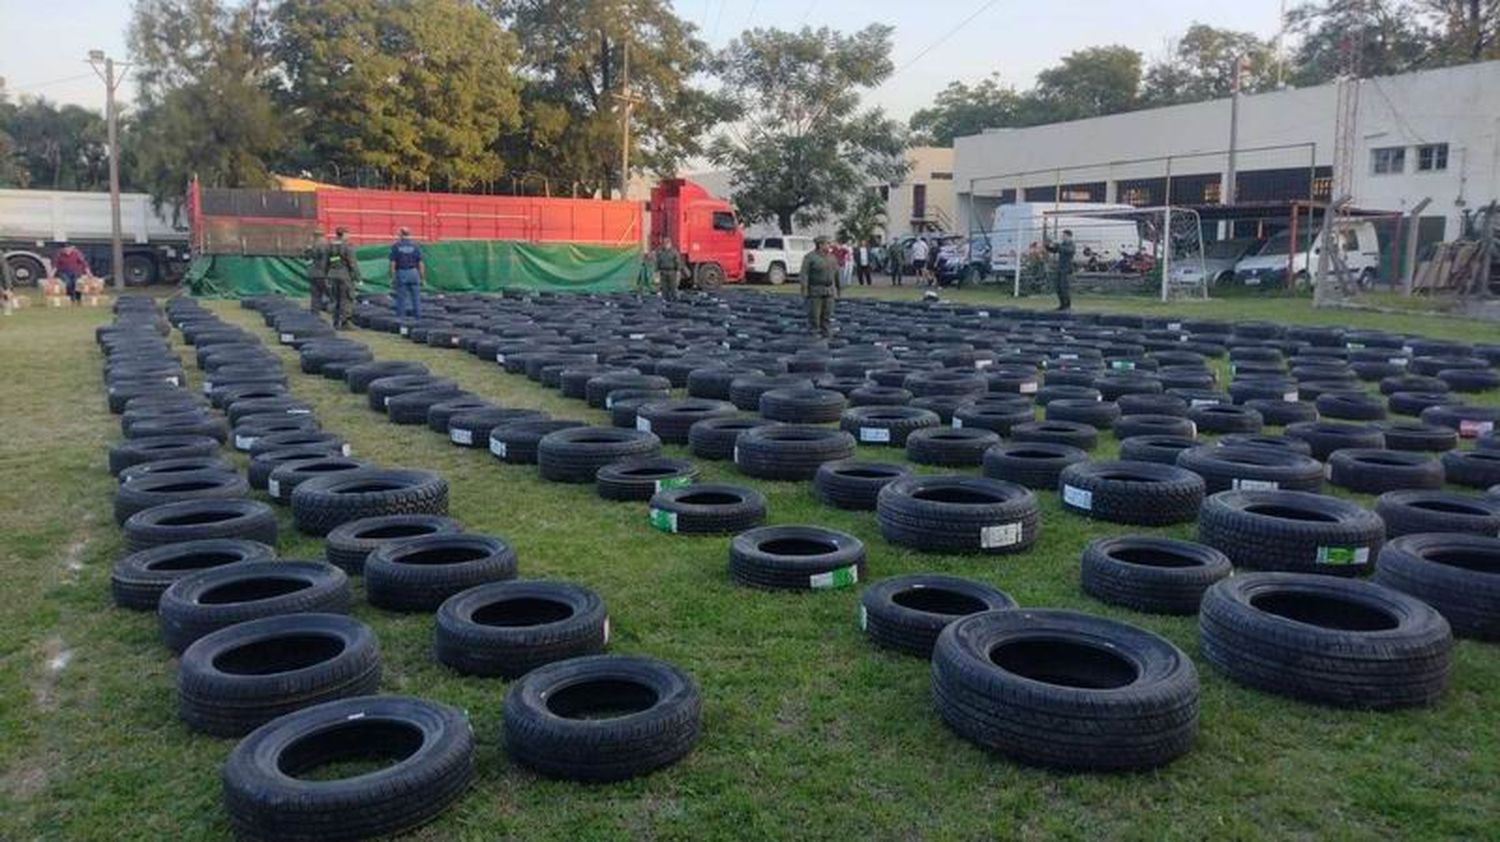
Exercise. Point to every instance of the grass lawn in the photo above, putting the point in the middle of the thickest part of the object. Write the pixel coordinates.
(808, 731)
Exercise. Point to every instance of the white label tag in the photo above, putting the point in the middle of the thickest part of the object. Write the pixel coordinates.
(1240, 484)
(1197, 402)
(386, 402)
(404, 330)
(871, 434)
(1067, 356)
(499, 358)
(736, 457)
(497, 448)
(1027, 387)
(637, 336)
(609, 402)
(1401, 361)
(208, 386)
(606, 630)
(1192, 429)
(299, 412)
(1291, 397)
(1078, 497)
(273, 488)
(643, 423)
(1474, 429)
(957, 422)
(840, 578)
(453, 341)
(983, 363)
(1002, 535)
(345, 450)
(864, 617)
(1174, 325)
(286, 337)
(1328, 470)
(173, 380)
(459, 436)
(244, 442)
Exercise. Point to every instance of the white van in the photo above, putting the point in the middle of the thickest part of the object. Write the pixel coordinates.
(1100, 240)
(1356, 241)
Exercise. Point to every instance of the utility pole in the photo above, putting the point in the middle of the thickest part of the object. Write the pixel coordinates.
(1234, 131)
(112, 119)
(627, 104)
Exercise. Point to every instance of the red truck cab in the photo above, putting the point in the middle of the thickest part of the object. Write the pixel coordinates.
(704, 230)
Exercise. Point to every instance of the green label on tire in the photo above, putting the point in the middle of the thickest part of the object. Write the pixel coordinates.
(673, 482)
(664, 520)
(1343, 556)
(1125, 365)
(843, 577)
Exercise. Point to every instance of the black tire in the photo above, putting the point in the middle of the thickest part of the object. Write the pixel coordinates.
(1154, 425)
(1150, 574)
(1344, 407)
(1036, 465)
(790, 451)
(360, 377)
(706, 509)
(1143, 493)
(796, 558)
(175, 467)
(249, 433)
(1456, 574)
(239, 678)
(1101, 415)
(1472, 468)
(996, 416)
(196, 520)
(879, 396)
(715, 438)
(640, 479)
(886, 425)
(852, 484)
(508, 629)
(1279, 413)
(1226, 418)
(138, 580)
(1275, 442)
(1336, 642)
(417, 575)
(516, 444)
(945, 382)
(220, 597)
(1413, 512)
(1379, 471)
(1470, 421)
(128, 453)
(286, 476)
(575, 455)
(441, 414)
(802, 406)
(1162, 450)
(1065, 690)
(349, 544)
(380, 392)
(955, 514)
(332, 443)
(745, 392)
(1291, 531)
(1081, 436)
(552, 727)
(1252, 468)
(671, 420)
(1152, 404)
(956, 448)
(319, 505)
(1416, 403)
(1418, 437)
(907, 613)
(1324, 437)
(268, 795)
(145, 492)
(1411, 383)
(410, 409)
(1469, 380)
(472, 428)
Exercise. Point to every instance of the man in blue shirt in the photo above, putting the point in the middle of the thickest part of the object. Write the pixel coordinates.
(407, 274)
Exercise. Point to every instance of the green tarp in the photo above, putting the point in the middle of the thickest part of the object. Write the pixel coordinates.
(469, 266)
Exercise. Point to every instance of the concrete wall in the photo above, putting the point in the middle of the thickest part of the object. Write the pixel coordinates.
(923, 163)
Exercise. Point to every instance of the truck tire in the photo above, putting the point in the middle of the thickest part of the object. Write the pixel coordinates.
(508, 629)
(776, 274)
(1413, 512)
(907, 613)
(1291, 531)
(137, 451)
(1456, 574)
(28, 271)
(1163, 450)
(708, 277)
(1324, 437)
(286, 476)
(145, 492)
(801, 406)
(796, 558)
(139, 270)
(319, 505)
(1150, 574)
(1142, 493)
(1071, 433)
(957, 514)
(715, 438)
(516, 443)
(1337, 642)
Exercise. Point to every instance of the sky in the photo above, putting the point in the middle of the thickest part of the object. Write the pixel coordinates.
(46, 41)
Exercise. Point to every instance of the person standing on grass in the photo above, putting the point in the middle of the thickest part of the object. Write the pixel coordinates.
(70, 265)
(408, 273)
(862, 260)
(317, 273)
(668, 268)
(919, 254)
(1064, 251)
(343, 274)
(7, 286)
(820, 286)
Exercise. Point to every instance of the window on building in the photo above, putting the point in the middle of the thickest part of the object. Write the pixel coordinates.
(940, 176)
(1432, 157)
(1388, 160)
(919, 201)
(1136, 196)
(1213, 193)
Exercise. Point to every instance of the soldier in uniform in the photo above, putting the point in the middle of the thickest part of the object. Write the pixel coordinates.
(668, 268)
(820, 286)
(1064, 251)
(343, 275)
(317, 273)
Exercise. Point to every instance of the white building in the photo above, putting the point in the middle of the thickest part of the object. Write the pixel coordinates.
(1431, 135)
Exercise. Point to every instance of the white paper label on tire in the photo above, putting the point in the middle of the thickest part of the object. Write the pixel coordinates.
(273, 488)
(1174, 325)
(1197, 402)
(208, 386)
(664, 520)
(1343, 556)
(1355, 346)
(497, 448)
(386, 402)
(1291, 397)
(345, 450)
(1001, 535)
(1401, 361)
(1242, 484)
(637, 336)
(840, 578)
(243, 442)
(736, 457)
(983, 314)
(864, 617)
(500, 358)
(1192, 429)
(299, 412)
(287, 337)
(643, 423)
(405, 330)
(1028, 387)
(606, 630)
(1080, 498)
(609, 402)
(1475, 429)
(875, 434)
(173, 380)
(1328, 470)
(458, 436)
(983, 363)
(1067, 356)
(958, 423)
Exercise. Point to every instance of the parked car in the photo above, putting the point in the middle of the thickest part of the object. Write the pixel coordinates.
(1219, 261)
(1358, 242)
(775, 259)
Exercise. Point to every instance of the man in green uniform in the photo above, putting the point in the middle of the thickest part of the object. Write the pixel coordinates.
(645, 273)
(317, 274)
(343, 274)
(1064, 251)
(820, 286)
(668, 268)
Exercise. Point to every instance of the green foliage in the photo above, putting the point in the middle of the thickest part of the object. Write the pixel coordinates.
(1203, 65)
(418, 92)
(1088, 82)
(801, 147)
(573, 56)
(51, 147)
(960, 109)
(1389, 36)
(865, 219)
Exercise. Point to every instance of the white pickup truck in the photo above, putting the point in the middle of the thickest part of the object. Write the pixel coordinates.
(774, 259)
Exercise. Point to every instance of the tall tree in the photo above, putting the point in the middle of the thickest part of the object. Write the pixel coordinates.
(866, 218)
(419, 91)
(56, 147)
(962, 109)
(200, 68)
(1203, 65)
(574, 54)
(1469, 30)
(802, 148)
(12, 171)
(1388, 36)
(1088, 83)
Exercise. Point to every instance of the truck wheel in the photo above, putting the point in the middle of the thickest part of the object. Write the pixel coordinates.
(709, 277)
(26, 269)
(140, 270)
(776, 275)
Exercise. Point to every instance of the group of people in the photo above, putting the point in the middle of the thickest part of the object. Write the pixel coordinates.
(333, 274)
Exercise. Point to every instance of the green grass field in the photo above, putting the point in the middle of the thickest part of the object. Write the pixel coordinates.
(808, 731)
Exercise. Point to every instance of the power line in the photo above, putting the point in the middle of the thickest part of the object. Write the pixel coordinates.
(945, 36)
(48, 83)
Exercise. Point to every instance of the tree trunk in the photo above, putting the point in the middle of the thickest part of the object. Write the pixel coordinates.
(784, 221)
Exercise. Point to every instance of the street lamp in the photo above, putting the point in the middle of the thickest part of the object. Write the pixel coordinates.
(112, 119)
